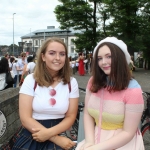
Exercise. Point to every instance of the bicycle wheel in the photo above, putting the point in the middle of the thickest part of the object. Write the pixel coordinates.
(146, 134)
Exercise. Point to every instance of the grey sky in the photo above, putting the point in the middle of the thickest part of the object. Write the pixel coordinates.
(30, 15)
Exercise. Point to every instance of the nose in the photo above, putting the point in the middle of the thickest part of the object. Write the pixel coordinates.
(57, 56)
(104, 61)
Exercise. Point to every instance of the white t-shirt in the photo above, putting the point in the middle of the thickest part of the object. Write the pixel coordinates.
(10, 65)
(77, 64)
(30, 67)
(14, 70)
(20, 64)
(42, 110)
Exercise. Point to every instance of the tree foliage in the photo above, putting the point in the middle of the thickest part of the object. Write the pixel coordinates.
(96, 19)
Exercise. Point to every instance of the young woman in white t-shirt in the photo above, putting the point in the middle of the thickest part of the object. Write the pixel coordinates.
(47, 106)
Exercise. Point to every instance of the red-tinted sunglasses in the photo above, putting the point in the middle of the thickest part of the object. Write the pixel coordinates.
(52, 101)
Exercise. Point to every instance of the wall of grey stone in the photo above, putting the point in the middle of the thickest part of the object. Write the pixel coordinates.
(9, 107)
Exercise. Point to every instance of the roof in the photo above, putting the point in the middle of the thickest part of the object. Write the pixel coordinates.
(34, 33)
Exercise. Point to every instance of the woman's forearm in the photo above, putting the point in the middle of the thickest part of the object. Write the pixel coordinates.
(89, 128)
(115, 142)
(30, 123)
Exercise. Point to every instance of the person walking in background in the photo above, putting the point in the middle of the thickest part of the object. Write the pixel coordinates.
(14, 70)
(31, 64)
(113, 102)
(27, 69)
(4, 69)
(76, 65)
(81, 64)
(131, 65)
(7, 56)
(48, 100)
(72, 65)
(20, 64)
(90, 63)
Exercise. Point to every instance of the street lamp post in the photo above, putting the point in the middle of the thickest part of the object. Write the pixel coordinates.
(13, 32)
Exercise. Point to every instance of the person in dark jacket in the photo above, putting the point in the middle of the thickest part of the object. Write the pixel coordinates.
(4, 68)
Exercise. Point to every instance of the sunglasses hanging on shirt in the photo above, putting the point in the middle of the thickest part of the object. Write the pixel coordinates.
(52, 101)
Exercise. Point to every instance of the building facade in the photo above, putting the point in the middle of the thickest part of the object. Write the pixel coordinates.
(31, 42)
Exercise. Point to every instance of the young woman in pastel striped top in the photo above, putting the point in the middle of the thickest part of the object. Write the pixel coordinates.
(113, 102)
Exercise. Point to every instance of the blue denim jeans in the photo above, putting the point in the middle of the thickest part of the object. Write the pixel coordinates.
(15, 80)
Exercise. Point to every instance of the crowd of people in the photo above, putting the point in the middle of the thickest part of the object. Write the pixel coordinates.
(48, 98)
(17, 67)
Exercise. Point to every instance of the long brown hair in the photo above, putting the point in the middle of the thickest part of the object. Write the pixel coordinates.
(119, 76)
(41, 74)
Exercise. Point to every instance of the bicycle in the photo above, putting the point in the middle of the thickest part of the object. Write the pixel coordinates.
(145, 120)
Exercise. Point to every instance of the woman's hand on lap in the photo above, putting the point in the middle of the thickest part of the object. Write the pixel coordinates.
(63, 142)
(40, 135)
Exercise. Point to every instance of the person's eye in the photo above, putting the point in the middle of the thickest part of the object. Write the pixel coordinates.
(62, 54)
(108, 56)
(99, 59)
(52, 53)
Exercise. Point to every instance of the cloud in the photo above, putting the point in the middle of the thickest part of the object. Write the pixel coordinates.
(30, 15)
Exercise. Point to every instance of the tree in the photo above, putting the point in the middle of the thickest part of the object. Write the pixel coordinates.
(145, 30)
(15, 49)
(123, 21)
(96, 19)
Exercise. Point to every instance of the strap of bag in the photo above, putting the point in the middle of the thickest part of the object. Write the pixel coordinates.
(100, 115)
(69, 86)
(35, 85)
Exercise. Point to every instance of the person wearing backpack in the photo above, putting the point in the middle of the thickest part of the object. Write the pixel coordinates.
(48, 100)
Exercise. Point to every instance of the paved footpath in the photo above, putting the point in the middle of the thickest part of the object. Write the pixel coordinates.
(141, 75)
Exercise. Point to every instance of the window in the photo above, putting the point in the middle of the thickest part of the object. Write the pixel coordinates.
(42, 42)
(72, 49)
(72, 42)
(36, 42)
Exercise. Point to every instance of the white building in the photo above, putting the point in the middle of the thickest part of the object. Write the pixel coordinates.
(32, 41)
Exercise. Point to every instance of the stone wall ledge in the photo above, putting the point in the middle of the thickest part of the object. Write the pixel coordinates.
(9, 107)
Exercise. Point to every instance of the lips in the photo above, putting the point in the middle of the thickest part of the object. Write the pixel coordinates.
(56, 63)
(106, 68)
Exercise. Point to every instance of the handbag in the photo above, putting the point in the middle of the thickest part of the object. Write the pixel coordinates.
(12, 74)
(9, 78)
(2, 81)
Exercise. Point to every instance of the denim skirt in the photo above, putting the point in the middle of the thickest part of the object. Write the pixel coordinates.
(26, 142)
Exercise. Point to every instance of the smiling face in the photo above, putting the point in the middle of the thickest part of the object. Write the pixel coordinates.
(54, 57)
(104, 59)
